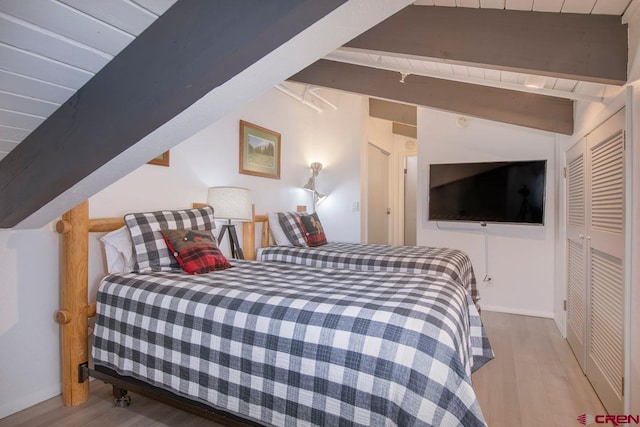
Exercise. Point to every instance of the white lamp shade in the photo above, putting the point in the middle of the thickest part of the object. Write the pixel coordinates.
(232, 203)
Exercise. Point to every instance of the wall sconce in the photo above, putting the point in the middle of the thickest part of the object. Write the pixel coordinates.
(318, 197)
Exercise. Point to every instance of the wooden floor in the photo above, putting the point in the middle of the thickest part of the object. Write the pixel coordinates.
(533, 381)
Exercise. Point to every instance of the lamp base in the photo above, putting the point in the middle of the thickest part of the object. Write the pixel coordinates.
(236, 250)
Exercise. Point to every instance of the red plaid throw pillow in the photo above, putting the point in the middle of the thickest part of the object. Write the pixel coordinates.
(195, 250)
(313, 231)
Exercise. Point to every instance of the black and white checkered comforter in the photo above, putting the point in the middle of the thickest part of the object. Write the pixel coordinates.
(294, 345)
(451, 263)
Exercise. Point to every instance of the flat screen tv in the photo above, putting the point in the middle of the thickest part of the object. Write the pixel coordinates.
(506, 192)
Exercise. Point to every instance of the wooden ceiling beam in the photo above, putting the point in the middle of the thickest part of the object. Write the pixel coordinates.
(195, 47)
(518, 108)
(583, 47)
(393, 111)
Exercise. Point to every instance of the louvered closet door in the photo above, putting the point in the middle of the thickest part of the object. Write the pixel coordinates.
(605, 231)
(576, 253)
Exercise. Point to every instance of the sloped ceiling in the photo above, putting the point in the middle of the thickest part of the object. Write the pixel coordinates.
(51, 48)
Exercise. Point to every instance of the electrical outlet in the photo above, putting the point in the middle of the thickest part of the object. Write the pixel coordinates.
(488, 280)
(355, 207)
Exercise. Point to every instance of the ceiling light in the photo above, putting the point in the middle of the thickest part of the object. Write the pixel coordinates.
(535, 82)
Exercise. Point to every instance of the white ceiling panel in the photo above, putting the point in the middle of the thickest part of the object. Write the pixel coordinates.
(578, 6)
(36, 66)
(431, 66)
(468, 3)
(127, 16)
(19, 120)
(70, 23)
(492, 75)
(23, 104)
(611, 7)
(565, 84)
(509, 77)
(492, 4)
(448, 3)
(13, 134)
(158, 7)
(16, 83)
(519, 4)
(476, 73)
(23, 35)
(589, 88)
(6, 146)
(547, 5)
(444, 68)
(460, 70)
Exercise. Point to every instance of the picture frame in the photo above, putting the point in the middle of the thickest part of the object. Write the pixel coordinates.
(161, 160)
(259, 151)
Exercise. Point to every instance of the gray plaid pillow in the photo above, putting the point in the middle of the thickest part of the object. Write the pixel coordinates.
(149, 248)
(290, 222)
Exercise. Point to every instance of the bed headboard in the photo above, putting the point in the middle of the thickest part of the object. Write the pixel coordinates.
(249, 233)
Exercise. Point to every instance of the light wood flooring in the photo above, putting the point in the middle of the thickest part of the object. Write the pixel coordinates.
(533, 381)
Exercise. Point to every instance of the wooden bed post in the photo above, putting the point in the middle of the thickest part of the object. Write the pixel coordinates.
(249, 236)
(72, 316)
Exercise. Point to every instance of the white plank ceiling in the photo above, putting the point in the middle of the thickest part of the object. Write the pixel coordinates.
(51, 48)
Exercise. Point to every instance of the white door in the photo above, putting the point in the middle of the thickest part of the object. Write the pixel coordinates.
(576, 252)
(605, 235)
(378, 207)
(410, 193)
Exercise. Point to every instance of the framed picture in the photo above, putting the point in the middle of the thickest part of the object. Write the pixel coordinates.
(259, 151)
(161, 160)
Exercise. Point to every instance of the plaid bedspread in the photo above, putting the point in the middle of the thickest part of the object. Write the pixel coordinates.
(451, 263)
(291, 345)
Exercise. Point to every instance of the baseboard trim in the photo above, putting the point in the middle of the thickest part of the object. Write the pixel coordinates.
(545, 314)
(24, 402)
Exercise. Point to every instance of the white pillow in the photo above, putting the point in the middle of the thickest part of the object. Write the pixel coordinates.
(119, 251)
(276, 230)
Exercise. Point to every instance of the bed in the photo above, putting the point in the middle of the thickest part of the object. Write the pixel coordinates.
(451, 263)
(274, 344)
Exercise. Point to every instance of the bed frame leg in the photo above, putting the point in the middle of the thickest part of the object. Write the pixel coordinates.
(121, 398)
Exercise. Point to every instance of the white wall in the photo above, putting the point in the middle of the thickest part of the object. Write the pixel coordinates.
(521, 258)
(29, 260)
(337, 138)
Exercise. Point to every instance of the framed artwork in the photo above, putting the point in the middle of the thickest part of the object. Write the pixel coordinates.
(161, 160)
(259, 151)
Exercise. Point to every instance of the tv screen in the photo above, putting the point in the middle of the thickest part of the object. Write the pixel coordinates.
(511, 192)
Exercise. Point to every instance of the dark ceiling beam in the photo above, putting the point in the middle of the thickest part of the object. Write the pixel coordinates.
(584, 47)
(405, 130)
(194, 47)
(393, 111)
(518, 108)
